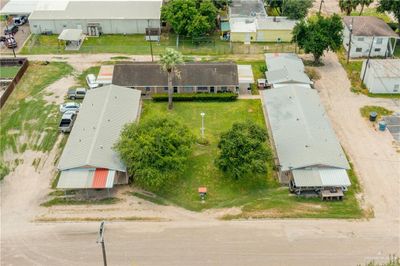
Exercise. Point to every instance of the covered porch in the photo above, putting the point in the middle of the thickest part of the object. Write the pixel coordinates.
(72, 39)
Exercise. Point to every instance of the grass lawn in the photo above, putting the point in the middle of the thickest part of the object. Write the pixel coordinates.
(8, 71)
(373, 13)
(259, 196)
(27, 120)
(397, 51)
(353, 70)
(136, 44)
(381, 111)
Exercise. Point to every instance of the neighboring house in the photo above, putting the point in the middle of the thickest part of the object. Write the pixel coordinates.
(247, 9)
(381, 75)
(266, 29)
(364, 29)
(246, 78)
(309, 155)
(97, 17)
(89, 160)
(192, 78)
(284, 69)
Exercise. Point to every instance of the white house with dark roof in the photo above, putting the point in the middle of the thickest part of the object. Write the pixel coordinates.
(89, 160)
(381, 75)
(309, 155)
(364, 29)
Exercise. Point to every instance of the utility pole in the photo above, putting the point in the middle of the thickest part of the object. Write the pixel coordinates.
(351, 34)
(101, 241)
(369, 56)
(320, 7)
(151, 45)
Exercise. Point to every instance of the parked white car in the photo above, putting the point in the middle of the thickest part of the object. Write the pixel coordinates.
(70, 106)
(91, 81)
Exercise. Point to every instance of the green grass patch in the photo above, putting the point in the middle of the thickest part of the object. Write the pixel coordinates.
(154, 199)
(27, 120)
(258, 196)
(397, 51)
(136, 44)
(371, 12)
(381, 111)
(9, 71)
(4, 170)
(64, 201)
(258, 68)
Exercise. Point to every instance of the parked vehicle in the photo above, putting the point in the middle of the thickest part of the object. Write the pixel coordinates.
(67, 121)
(11, 30)
(70, 106)
(20, 20)
(78, 93)
(91, 81)
(10, 43)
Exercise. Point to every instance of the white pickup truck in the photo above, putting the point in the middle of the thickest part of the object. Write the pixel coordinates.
(67, 121)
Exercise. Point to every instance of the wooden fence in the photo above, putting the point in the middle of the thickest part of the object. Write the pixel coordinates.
(6, 62)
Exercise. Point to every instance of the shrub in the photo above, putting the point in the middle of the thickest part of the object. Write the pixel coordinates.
(196, 97)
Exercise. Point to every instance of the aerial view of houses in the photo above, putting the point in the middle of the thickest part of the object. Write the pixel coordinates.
(212, 132)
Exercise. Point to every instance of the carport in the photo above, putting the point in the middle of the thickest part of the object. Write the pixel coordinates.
(73, 39)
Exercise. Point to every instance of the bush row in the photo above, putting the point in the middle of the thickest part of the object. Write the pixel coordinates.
(196, 97)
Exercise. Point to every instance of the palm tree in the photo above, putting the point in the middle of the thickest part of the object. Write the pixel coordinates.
(348, 6)
(168, 61)
(364, 3)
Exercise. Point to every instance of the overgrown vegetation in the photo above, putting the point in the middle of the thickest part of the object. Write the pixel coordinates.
(4, 170)
(381, 111)
(27, 120)
(293, 9)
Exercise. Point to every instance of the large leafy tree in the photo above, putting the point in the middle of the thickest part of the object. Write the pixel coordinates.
(348, 6)
(390, 6)
(319, 34)
(296, 9)
(154, 151)
(243, 150)
(168, 62)
(181, 14)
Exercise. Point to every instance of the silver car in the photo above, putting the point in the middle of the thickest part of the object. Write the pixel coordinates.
(70, 106)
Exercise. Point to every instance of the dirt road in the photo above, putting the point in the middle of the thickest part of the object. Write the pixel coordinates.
(200, 239)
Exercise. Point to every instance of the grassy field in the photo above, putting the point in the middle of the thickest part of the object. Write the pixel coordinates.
(381, 111)
(9, 71)
(28, 121)
(136, 44)
(373, 13)
(260, 196)
(353, 70)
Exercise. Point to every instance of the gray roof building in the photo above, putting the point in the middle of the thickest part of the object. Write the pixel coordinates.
(285, 75)
(190, 74)
(300, 129)
(103, 114)
(276, 61)
(247, 9)
(369, 26)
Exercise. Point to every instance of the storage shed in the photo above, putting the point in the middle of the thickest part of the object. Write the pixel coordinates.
(97, 17)
(88, 160)
(309, 155)
(381, 75)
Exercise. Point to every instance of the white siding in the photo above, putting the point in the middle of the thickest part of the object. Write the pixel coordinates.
(109, 26)
(379, 84)
(364, 43)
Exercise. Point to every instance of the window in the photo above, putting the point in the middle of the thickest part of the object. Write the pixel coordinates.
(147, 89)
(202, 89)
(35, 26)
(165, 88)
(175, 89)
(360, 39)
(212, 89)
(379, 40)
(358, 50)
(396, 87)
(377, 49)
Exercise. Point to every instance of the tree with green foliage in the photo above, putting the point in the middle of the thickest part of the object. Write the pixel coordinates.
(155, 151)
(181, 14)
(348, 6)
(275, 5)
(243, 150)
(296, 9)
(364, 3)
(390, 6)
(168, 62)
(319, 34)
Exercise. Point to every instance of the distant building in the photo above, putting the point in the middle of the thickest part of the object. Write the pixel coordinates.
(309, 155)
(364, 29)
(381, 75)
(89, 160)
(284, 69)
(94, 17)
(247, 9)
(193, 77)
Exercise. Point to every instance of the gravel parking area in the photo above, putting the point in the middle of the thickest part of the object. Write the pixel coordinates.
(21, 36)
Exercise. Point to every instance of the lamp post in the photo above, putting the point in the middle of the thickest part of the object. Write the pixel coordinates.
(202, 124)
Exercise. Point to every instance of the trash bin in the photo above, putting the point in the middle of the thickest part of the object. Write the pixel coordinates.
(372, 116)
(382, 126)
